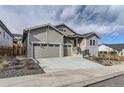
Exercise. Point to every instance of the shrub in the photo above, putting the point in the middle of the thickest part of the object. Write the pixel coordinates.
(5, 64)
(1, 67)
(113, 53)
(1, 61)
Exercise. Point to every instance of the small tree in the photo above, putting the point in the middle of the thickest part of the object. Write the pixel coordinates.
(113, 53)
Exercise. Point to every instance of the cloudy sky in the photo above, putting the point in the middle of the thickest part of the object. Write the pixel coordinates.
(107, 21)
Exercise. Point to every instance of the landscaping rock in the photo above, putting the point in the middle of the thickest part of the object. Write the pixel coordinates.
(13, 67)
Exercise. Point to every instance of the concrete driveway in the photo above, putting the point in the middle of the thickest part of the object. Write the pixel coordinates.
(66, 63)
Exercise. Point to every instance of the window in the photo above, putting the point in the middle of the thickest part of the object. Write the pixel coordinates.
(0, 33)
(90, 42)
(69, 45)
(4, 34)
(37, 44)
(7, 36)
(51, 45)
(57, 45)
(43, 44)
(121, 53)
(64, 30)
(93, 42)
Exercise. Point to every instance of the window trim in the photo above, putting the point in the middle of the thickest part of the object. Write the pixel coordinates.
(4, 34)
(91, 43)
(94, 42)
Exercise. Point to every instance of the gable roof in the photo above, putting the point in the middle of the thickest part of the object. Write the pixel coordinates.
(40, 26)
(17, 35)
(86, 35)
(37, 27)
(66, 27)
(6, 29)
(117, 47)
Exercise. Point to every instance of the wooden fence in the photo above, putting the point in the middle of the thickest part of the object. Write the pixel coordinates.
(15, 51)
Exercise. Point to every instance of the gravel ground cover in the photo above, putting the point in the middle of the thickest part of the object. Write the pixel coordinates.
(12, 67)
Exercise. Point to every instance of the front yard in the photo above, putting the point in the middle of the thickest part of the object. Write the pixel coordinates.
(13, 67)
(106, 61)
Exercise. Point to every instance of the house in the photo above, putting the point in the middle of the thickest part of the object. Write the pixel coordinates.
(17, 39)
(6, 38)
(17, 45)
(60, 40)
(106, 48)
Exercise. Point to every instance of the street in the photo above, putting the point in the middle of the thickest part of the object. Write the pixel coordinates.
(114, 82)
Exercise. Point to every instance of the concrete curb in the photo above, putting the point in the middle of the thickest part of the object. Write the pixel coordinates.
(94, 80)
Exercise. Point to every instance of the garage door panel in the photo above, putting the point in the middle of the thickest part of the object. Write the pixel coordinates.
(51, 50)
(54, 51)
(67, 50)
(46, 52)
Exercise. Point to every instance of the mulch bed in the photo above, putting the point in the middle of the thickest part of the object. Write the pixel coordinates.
(20, 68)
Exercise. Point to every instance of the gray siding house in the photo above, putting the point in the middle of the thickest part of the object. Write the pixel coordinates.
(6, 37)
(57, 41)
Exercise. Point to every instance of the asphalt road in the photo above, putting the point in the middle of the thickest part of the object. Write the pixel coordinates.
(113, 82)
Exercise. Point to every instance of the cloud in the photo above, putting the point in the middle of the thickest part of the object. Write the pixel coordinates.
(69, 12)
(16, 18)
(100, 19)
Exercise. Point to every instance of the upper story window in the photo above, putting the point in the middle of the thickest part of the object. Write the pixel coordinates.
(7, 36)
(4, 34)
(0, 29)
(93, 42)
(90, 42)
(64, 30)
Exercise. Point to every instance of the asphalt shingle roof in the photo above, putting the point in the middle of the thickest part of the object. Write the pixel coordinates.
(118, 47)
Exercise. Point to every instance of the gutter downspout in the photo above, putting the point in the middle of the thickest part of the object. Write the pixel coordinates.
(28, 46)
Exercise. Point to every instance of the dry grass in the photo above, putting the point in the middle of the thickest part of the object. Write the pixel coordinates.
(1, 61)
(5, 64)
(112, 57)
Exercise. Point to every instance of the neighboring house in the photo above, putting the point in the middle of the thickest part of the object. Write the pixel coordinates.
(6, 37)
(54, 41)
(106, 48)
(18, 39)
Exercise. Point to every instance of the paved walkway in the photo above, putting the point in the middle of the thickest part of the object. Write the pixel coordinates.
(80, 77)
(66, 63)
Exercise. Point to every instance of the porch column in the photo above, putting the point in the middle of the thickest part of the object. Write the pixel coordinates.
(76, 42)
(77, 45)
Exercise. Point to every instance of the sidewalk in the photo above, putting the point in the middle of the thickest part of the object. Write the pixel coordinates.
(80, 77)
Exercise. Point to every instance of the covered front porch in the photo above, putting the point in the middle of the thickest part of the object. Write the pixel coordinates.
(75, 41)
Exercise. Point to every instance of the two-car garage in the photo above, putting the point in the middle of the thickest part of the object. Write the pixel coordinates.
(48, 50)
